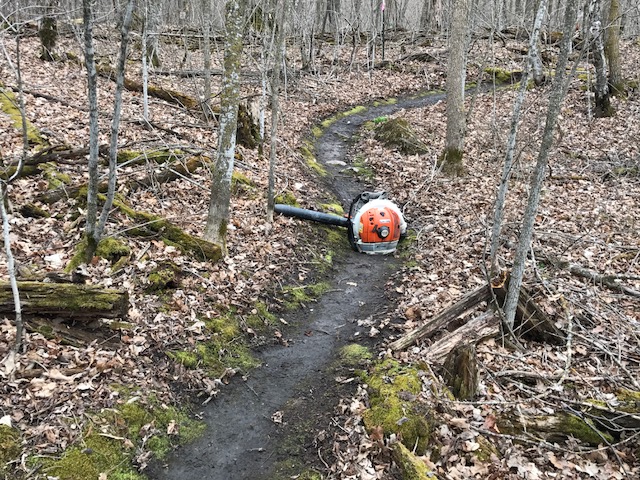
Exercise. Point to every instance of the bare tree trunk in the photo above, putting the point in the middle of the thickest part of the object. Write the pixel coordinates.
(12, 270)
(498, 213)
(92, 93)
(145, 65)
(95, 228)
(115, 122)
(275, 108)
(152, 25)
(206, 53)
(612, 48)
(3, 193)
(218, 216)
(451, 158)
(603, 101)
(559, 89)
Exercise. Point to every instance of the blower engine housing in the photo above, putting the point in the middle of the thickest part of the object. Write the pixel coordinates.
(374, 224)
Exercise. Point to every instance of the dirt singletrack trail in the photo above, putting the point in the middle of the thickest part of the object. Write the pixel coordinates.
(242, 441)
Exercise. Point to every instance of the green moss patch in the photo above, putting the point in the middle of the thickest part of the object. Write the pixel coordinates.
(109, 444)
(411, 466)
(362, 169)
(451, 162)
(240, 183)
(504, 76)
(355, 355)
(287, 198)
(299, 295)
(393, 389)
(326, 123)
(109, 248)
(310, 159)
(332, 208)
(10, 448)
(9, 105)
(228, 343)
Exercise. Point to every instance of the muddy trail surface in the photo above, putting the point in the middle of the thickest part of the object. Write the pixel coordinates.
(269, 423)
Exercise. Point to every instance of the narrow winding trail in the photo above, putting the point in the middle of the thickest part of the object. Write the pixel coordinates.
(242, 441)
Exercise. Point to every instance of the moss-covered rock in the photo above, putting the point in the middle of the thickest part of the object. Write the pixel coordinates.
(240, 183)
(30, 210)
(397, 133)
(287, 198)
(165, 275)
(393, 390)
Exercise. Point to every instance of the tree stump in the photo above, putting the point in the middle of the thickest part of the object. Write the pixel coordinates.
(461, 371)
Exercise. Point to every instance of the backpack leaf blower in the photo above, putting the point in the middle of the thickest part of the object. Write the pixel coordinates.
(374, 223)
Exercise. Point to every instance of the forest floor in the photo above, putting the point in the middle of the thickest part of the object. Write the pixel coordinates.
(70, 397)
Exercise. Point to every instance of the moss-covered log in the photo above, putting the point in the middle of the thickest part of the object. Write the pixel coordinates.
(66, 300)
(155, 226)
(165, 94)
(411, 466)
(176, 170)
(555, 428)
(9, 104)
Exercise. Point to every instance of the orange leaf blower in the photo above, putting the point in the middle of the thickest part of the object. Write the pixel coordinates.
(374, 223)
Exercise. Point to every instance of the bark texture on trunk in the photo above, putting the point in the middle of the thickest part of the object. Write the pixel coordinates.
(451, 158)
(218, 217)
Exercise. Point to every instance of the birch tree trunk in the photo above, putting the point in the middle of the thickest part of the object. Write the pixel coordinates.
(498, 213)
(451, 158)
(275, 107)
(558, 92)
(218, 217)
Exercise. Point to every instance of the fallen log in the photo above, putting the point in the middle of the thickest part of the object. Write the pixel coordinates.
(66, 300)
(555, 428)
(484, 326)
(612, 282)
(439, 322)
(166, 94)
(150, 225)
(531, 321)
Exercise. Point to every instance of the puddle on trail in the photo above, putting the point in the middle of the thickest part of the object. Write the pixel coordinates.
(241, 441)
